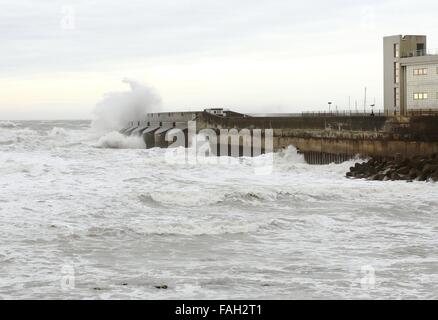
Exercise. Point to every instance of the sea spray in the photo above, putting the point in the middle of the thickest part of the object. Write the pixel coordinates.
(116, 109)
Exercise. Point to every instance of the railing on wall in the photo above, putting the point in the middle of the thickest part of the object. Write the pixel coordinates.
(378, 113)
(423, 112)
(420, 53)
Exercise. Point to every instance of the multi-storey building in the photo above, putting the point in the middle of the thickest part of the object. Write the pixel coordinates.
(410, 76)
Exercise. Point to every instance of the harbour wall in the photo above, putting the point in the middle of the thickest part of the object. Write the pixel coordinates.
(322, 139)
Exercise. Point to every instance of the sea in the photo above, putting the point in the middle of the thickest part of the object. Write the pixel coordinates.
(91, 216)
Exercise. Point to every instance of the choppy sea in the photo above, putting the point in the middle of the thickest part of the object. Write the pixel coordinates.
(90, 217)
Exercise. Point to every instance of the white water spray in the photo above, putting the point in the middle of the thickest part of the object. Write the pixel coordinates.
(117, 109)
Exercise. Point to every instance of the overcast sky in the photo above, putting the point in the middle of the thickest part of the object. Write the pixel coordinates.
(58, 58)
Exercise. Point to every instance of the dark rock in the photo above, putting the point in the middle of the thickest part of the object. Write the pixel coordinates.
(420, 168)
(421, 164)
(434, 176)
(395, 176)
(377, 177)
(422, 177)
(429, 168)
(162, 287)
(403, 170)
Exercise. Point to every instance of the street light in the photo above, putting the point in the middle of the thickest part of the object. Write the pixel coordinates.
(372, 109)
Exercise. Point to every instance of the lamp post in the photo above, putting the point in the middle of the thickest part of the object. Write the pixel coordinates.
(372, 109)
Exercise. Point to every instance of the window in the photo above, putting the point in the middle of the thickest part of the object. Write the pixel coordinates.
(396, 72)
(396, 50)
(420, 49)
(420, 96)
(420, 72)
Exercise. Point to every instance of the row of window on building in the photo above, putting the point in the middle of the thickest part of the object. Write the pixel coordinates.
(422, 71)
(417, 72)
(422, 95)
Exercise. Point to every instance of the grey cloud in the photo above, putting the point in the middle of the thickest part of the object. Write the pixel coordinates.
(32, 37)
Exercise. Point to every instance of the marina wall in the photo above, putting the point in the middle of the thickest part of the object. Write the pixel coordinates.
(322, 139)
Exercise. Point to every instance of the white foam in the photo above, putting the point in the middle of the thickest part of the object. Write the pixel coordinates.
(116, 140)
(7, 124)
(129, 212)
(57, 132)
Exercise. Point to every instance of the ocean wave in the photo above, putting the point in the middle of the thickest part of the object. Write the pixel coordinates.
(18, 136)
(182, 229)
(116, 140)
(7, 124)
(182, 198)
(290, 155)
(57, 132)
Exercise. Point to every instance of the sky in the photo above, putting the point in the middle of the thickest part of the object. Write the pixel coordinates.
(59, 58)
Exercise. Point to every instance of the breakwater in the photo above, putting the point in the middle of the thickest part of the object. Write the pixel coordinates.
(398, 168)
(322, 139)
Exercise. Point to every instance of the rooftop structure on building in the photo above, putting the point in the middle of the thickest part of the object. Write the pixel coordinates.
(410, 75)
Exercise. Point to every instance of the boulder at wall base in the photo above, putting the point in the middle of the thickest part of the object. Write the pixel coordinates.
(419, 168)
(377, 177)
(413, 173)
(403, 170)
(429, 168)
(422, 177)
(434, 177)
(395, 176)
(408, 169)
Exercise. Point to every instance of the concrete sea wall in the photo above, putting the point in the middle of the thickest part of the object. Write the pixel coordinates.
(335, 139)
(322, 139)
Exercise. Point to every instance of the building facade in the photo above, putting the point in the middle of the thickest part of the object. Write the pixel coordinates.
(410, 76)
